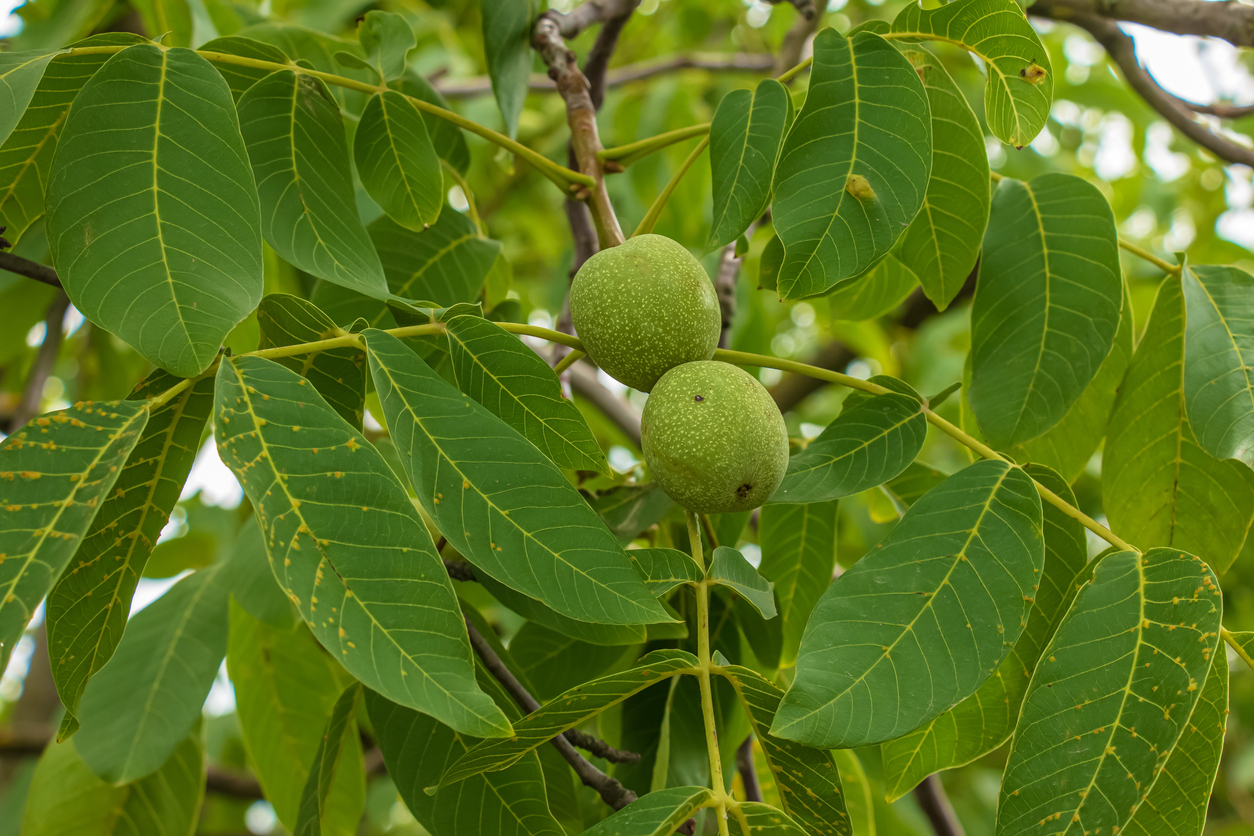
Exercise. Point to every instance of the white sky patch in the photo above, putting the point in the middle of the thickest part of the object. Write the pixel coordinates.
(214, 480)
(1115, 157)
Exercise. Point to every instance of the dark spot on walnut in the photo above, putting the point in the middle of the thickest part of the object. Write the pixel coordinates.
(698, 399)
(744, 490)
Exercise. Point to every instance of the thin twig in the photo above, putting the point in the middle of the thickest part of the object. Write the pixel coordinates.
(748, 772)
(804, 7)
(935, 805)
(725, 286)
(1220, 110)
(655, 211)
(620, 413)
(1233, 22)
(795, 40)
(1122, 51)
(611, 791)
(596, 67)
(45, 362)
(792, 389)
(735, 62)
(29, 269)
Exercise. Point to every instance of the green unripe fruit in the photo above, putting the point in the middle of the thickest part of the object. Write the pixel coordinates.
(713, 438)
(644, 307)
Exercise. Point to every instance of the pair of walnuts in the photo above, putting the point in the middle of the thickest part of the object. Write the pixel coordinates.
(648, 315)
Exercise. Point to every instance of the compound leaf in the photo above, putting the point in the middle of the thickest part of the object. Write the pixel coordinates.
(88, 607)
(1047, 304)
(1219, 359)
(868, 444)
(745, 137)
(397, 162)
(347, 545)
(295, 139)
(940, 601)
(153, 217)
(499, 502)
(854, 167)
(142, 704)
(517, 386)
(54, 474)
(1112, 695)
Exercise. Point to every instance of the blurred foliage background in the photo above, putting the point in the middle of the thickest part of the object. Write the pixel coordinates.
(1167, 194)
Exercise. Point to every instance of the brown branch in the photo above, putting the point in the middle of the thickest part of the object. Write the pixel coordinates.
(584, 381)
(231, 783)
(1233, 22)
(29, 269)
(45, 362)
(573, 86)
(1220, 110)
(611, 791)
(1122, 51)
(805, 8)
(731, 62)
(748, 773)
(725, 285)
(935, 805)
(795, 40)
(597, 65)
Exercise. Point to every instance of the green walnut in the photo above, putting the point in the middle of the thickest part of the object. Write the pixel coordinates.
(644, 307)
(714, 438)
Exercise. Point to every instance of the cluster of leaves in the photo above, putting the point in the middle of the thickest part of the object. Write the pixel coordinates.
(169, 180)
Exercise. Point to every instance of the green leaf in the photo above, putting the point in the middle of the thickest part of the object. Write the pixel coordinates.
(984, 721)
(757, 819)
(658, 813)
(416, 749)
(338, 374)
(873, 294)
(447, 138)
(347, 545)
(169, 20)
(1112, 694)
(940, 601)
(1020, 83)
(517, 386)
(285, 687)
(567, 711)
(809, 784)
(1218, 359)
(252, 583)
(153, 217)
(386, 39)
(629, 510)
(1068, 446)
(238, 76)
(26, 156)
(798, 557)
(942, 243)
(729, 568)
(606, 635)
(769, 266)
(88, 607)
(341, 733)
(142, 704)
(67, 798)
(295, 139)
(554, 663)
(854, 166)
(1047, 304)
(445, 264)
(20, 74)
(499, 501)
(868, 444)
(397, 162)
(507, 46)
(1158, 485)
(665, 569)
(859, 799)
(317, 50)
(1177, 803)
(745, 137)
(54, 474)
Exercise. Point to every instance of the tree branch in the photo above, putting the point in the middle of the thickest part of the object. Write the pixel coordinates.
(1220, 110)
(45, 362)
(795, 40)
(580, 110)
(1233, 22)
(732, 62)
(804, 7)
(1122, 51)
(935, 805)
(584, 381)
(611, 791)
(748, 773)
(597, 65)
(29, 269)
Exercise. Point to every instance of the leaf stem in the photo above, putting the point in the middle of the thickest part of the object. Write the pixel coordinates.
(702, 590)
(650, 218)
(472, 211)
(559, 174)
(1227, 636)
(569, 360)
(788, 75)
(632, 151)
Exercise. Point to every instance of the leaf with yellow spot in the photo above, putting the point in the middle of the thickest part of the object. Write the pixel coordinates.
(54, 474)
(1109, 703)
